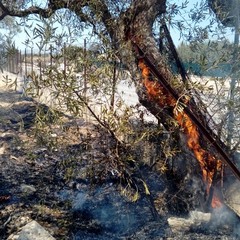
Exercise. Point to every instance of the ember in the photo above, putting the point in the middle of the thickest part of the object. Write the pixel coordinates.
(5, 198)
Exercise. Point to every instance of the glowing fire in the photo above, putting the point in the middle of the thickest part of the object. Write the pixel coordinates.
(208, 163)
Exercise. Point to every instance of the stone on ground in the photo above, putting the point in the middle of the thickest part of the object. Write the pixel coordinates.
(232, 197)
(34, 231)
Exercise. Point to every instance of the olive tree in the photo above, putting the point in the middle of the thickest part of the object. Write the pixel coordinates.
(128, 27)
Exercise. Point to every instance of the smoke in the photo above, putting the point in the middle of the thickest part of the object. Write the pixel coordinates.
(79, 201)
(225, 217)
(236, 230)
(224, 220)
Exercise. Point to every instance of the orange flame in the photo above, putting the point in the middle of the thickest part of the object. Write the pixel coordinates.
(208, 163)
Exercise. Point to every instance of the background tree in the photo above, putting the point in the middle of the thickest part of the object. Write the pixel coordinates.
(228, 14)
(210, 58)
(8, 29)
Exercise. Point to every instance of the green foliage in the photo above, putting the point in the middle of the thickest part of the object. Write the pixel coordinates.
(8, 29)
(207, 58)
(225, 11)
(9, 25)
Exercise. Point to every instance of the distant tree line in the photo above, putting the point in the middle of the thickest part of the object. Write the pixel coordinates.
(211, 58)
(8, 29)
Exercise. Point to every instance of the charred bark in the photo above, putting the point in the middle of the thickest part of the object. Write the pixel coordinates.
(163, 102)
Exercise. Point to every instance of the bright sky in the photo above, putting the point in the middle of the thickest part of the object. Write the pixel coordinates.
(22, 37)
(184, 16)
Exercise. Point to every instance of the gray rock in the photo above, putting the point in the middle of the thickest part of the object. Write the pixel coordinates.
(34, 231)
(184, 224)
(232, 197)
(27, 189)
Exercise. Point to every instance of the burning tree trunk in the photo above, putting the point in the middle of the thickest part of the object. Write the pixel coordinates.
(169, 106)
(208, 163)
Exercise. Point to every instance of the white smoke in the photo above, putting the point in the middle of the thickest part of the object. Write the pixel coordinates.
(225, 216)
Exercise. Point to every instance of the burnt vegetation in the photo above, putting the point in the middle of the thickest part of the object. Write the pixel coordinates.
(81, 159)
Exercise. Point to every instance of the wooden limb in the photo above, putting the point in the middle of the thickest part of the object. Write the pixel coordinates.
(180, 66)
(46, 13)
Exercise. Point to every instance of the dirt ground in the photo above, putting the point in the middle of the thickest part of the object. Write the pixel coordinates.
(38, 164)
(28, 177)
(43, 171)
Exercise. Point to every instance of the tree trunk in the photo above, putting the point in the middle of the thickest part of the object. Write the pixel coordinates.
(161, 103)
(234, 78)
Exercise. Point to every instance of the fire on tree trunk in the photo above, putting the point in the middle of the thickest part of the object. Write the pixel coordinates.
(161, 93)
(208, 163)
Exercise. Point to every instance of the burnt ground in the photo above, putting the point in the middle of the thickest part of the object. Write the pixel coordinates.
(64, 176)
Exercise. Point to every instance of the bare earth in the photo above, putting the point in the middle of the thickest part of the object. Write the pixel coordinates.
(38, 168)
(31, 173)
(28, 178)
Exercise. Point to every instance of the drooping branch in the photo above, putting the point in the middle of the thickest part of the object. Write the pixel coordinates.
(43, 12)
(97, 12)
(98, 8)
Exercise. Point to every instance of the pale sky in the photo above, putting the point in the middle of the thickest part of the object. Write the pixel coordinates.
(183, 16)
